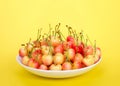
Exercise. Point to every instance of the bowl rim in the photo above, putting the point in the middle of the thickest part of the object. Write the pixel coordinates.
(18, 58)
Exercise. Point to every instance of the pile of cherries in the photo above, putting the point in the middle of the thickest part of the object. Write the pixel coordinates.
(54, 51)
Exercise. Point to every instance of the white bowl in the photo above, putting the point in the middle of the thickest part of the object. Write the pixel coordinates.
(57, 74)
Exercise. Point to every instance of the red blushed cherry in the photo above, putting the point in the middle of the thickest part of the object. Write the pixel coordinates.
(66, 66)
(80, 48)
(59, 49)
(45, 49)
(77, 65)
(70, 38)
(43, 42)
(29, 47)
(70, 41)
(97, 55)
(55, 41)
(89, 60)
(71, 44)
(59, 58)
(65, 45)
(78, 58)
(36, 43)
(39, 59)
(70, 54)
(22, 52)
(88, 50)
(31, 62)
(36, 52)
(35, 64)
(43, 67)
(25, 60)
(47, 59)
(98, 52)
(55, 67)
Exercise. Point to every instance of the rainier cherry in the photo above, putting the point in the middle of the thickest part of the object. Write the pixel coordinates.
(47, 59)
(29, 47)
(89, 60)
(43, 67)
(55, 67)
(36, 43)
(59, 49)
(55, 41)
(78, 58)
(66, 66)
(45, 49)
(35, 52)
(70, 38)
(58, 58)
(25, 60)
(39, 59)
(88, 50)
(65, 45)
(77, 65)
(81, 48)
(35, 64)
(70, 44)
(70, 41)
(43, 42)
(70, 54)
(31, 62)
(97, 54)
(22, 52)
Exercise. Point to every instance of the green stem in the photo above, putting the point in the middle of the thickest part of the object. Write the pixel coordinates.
(49, 33)
(39, 34)
(89, 39)
(81, 35)
(68, 30)
(72, 32)
(56, 28)
(53, 33)
(63, 36)
(86, 42)
(22, 44)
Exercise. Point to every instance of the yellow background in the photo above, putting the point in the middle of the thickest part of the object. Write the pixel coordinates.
(20, 19)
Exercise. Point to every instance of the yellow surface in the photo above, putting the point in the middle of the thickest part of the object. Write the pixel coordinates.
(20, 19)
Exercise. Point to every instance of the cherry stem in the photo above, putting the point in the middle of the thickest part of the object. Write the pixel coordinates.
(68, 30)
(89, 39)
(82, 36)
(29, 40)
(22, 44)
(62, 35)
(49, 33)
(49, 43)
(59, 35)
(86, 42)
(66, 53)
(75, 35)
(56, 28)
(39, 34)
(72, 31)
(53, 33)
